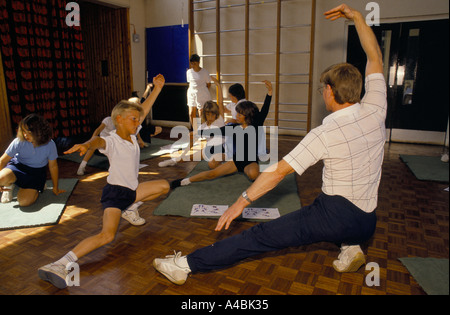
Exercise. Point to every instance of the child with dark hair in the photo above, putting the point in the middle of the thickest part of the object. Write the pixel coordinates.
(198, 92)
(212, 119)
(244, 160)
(237, 95)
(24, 162)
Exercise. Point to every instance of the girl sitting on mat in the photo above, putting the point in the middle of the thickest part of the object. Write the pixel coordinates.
(244, 160)
(212, 118)
(24, 162)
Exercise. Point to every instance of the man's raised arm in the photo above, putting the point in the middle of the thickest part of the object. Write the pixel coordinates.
(366, 36)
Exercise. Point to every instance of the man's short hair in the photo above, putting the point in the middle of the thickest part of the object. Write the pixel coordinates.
(346, 82)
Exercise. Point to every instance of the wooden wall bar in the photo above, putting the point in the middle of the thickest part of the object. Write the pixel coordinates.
(6, 133)
(257, 40)
(107, 48)
(311, 63)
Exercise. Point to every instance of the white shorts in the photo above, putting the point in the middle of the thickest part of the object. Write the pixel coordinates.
(198, 98)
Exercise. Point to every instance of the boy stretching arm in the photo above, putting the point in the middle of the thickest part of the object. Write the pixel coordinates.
(123, 189)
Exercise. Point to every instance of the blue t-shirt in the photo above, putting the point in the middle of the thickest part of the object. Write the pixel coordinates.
(31, 156)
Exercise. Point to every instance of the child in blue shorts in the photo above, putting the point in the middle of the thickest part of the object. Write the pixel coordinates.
(25, 161)
(123, 189)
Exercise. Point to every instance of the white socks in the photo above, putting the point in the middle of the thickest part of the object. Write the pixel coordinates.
(169, 162)
(7, 195)
(134, 206)
(70, 257)
(185, 182)
(81, 168)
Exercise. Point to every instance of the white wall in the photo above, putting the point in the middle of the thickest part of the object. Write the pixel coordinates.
(166, 12)
(330, 37)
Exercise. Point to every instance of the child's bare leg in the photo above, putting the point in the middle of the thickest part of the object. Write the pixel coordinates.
(150, 190)
(226, 168)
(180, 157)
(57, 272)
(146, 191)
(221, 170)
(88, 155)
(216, 160)
(111, 219)
(192, 115)
(26, 197)
(252, 171)
(7, 177)
(83, 163)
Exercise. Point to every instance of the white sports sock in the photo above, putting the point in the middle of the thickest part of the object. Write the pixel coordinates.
(169, 162)
(81, 168)
(134, 206)
(185, 182)
(70, 257)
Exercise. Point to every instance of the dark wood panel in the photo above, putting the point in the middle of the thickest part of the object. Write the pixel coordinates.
(6, 132)
(108, 58)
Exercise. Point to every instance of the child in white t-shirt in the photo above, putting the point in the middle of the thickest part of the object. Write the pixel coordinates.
(198, 92)
(123, 189)
(104, 130)
(212, 118)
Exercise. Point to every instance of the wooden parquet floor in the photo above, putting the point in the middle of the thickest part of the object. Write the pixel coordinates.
(412, 221)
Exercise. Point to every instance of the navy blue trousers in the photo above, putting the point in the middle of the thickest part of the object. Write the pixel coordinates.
(328, 219)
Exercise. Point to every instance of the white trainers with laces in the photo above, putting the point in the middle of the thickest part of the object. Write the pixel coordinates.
(132, 214)
(350, 259)
(173, 267)
(54, 273)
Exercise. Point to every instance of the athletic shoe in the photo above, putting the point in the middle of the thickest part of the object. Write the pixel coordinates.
(172, 267)
(56, 274)
(132, 214)
(350, 259)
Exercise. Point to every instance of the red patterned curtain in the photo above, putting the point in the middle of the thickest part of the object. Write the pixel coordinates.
(44, 64)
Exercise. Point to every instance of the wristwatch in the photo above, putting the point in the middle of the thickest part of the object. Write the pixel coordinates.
(245, 196)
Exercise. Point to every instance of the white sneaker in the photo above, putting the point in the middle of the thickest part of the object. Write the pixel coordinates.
(173, 267)
(169, 162)
(56, 274)
(132, 214)
(7, 195)
(350, 259)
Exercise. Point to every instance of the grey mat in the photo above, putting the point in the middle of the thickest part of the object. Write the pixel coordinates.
(47, 209)
(225, 191)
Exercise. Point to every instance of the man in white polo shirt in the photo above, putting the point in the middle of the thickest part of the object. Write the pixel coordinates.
(350, 142)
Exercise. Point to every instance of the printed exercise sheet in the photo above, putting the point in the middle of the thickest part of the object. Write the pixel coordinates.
(248, 213)
(208, 210)
(261, 213)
